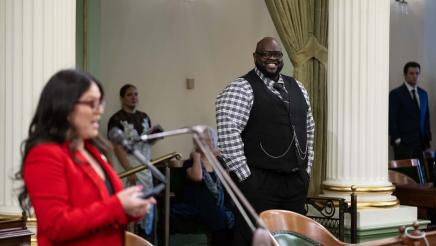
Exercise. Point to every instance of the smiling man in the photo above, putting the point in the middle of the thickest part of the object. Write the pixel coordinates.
(266, 135)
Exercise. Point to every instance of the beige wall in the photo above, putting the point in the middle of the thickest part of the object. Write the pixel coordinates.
(412, 37)
(157, 44)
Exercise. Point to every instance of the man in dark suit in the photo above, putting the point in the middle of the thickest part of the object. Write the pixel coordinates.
(409, 117)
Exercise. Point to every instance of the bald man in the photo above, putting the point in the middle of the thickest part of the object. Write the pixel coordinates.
(266, 135)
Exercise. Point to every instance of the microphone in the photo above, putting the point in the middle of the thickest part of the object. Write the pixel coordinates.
(155, 129)
(117, 137)
(152, 130)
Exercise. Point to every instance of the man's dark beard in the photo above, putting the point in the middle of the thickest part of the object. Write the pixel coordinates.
(272, 76)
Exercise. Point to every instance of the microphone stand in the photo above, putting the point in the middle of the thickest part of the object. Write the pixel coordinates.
(130, 148)
(235, 194)
(141, 167)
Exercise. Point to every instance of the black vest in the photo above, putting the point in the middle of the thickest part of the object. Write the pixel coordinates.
(268, 133)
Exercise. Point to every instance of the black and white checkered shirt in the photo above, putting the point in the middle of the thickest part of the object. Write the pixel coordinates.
(233, 106)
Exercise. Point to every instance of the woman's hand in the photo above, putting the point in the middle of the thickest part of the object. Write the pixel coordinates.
(195, 172)
(196, 156)
(132, 202)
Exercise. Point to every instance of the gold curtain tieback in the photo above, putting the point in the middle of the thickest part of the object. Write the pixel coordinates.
(312, 49)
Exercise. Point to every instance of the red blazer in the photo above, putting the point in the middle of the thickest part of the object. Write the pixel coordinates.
(71, 202)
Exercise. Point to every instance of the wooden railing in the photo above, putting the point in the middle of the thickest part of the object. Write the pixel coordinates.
(157, 161)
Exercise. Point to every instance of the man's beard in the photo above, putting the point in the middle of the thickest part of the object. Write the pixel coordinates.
(269, 74)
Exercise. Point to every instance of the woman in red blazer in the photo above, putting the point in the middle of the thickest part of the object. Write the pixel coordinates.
(77, 198)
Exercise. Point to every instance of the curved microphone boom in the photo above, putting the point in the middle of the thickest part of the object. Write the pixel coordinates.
(117, 137)
(240, 201)
(242, 204)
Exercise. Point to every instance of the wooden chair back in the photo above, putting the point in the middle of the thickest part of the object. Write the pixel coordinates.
(283, 220)
(400, 178)
(135, 240)
(408, 163)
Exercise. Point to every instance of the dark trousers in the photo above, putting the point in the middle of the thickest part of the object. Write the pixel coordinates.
(270, 190)
(403, 151)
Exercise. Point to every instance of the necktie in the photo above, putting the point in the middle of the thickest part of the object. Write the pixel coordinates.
(414, 98)
(279, 87)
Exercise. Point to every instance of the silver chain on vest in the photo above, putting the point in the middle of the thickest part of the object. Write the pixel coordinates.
(300, 153)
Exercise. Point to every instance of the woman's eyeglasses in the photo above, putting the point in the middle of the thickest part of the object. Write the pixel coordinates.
(93, 104)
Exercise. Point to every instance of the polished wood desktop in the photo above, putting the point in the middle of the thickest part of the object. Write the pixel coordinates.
(422, 196)
(13, 231)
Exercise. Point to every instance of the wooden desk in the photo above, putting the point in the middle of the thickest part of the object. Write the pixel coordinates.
(13, 231)
(422, 196)
(402, 240)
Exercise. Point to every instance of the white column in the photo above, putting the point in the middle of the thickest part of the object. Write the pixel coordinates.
(37, 38)
(358, 88)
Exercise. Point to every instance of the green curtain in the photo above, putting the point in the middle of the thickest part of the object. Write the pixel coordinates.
(303, 27)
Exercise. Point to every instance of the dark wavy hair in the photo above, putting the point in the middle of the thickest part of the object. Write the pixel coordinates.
(411, 64)
(124, 89)
(50, 123)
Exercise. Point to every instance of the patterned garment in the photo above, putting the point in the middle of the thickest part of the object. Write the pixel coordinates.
(133, 126)
(233, 107)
